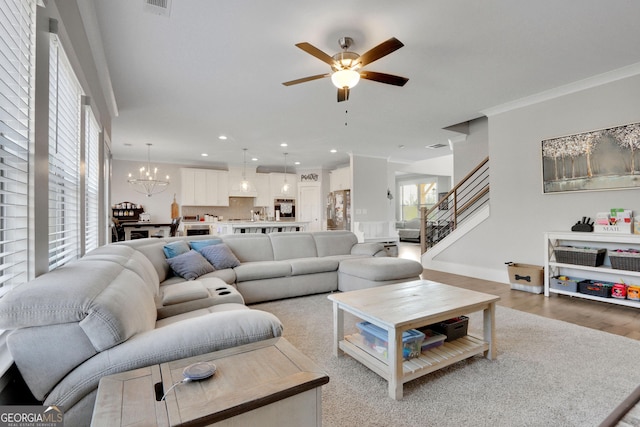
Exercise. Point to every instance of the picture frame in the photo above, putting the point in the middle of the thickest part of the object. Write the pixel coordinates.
(596, 160)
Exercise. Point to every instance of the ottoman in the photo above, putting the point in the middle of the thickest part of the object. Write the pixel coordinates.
(363, 273)
(192, 295)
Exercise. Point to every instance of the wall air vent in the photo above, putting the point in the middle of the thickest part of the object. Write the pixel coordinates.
(158, 7)
(434, 146)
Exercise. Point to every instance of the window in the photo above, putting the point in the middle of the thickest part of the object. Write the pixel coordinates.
(92, 180)
(17, 34)
(414, 196)
(64, 158)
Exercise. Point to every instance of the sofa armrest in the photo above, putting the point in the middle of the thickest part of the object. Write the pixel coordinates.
(370, 249)
(225, 327)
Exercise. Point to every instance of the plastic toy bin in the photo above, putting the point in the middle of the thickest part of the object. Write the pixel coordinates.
(377, 339)
(565, 283)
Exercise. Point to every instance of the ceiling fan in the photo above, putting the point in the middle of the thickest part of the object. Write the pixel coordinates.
(346, 67)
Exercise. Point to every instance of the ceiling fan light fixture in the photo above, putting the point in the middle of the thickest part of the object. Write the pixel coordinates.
(345, 78)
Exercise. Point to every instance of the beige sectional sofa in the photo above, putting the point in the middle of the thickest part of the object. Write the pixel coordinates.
(120, 307)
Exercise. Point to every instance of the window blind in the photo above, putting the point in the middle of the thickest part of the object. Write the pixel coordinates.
(17, 35)
(64, 158)
(92, 179)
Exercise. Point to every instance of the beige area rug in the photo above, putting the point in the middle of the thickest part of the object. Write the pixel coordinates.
(548, 373)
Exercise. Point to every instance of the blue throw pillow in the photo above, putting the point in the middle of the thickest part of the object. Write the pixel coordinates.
(176, 248)
(199, 244)
(190, 265)
(220, 256)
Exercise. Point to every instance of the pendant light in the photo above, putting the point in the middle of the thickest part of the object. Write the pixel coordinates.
(285, 185)
(147, 182)
(244, 184)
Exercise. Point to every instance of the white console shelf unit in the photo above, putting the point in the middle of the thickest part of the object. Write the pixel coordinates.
(603, 272)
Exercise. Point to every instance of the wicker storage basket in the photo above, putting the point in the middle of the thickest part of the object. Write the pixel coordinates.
(592, 257)
(625, 260)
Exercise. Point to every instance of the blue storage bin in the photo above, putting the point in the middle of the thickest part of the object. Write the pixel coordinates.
(377, 339)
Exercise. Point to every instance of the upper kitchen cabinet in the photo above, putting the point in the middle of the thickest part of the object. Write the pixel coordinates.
(276, 182)
(263, 190)
(204, 187)
(340, 179)
(235, 182)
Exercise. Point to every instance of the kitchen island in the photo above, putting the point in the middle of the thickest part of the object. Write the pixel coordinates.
(241, 227)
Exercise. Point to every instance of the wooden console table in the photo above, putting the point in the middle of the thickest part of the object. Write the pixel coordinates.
(267, 383)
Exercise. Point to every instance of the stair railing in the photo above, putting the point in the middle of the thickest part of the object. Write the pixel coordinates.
(466, 197)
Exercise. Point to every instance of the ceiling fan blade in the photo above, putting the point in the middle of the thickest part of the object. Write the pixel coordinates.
(389, 79)
(312, 50)
(305, 79)
(343, 94)
(383, 49)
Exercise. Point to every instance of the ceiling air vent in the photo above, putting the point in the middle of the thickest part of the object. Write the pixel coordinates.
(434, 146)
(158, 7)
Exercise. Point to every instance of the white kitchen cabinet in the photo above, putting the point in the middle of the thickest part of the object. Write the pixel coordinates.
(603, 272)
(340, 179)
(204, 187)
(276, 181)
(263, 191)
(235, 182)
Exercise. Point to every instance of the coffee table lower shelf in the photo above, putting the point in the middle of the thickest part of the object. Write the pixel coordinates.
(428, 361)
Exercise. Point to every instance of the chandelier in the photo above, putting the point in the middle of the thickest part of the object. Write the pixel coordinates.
(147, 182)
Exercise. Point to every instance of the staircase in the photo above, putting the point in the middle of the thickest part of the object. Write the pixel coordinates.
(457, 212)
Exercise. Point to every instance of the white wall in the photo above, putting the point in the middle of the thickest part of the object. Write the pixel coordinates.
(369, 192)
(520, 212)
(158, 205)
(473, 149)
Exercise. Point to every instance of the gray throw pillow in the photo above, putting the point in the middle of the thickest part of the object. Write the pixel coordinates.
(220, 256)
(190, 265)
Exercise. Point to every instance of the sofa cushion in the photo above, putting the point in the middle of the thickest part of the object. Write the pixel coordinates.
(130, 259)
(301, 266)
(174, 249)
(250, 247)
(381, 268)
(290, 245)
(198, 245)
(181, 292)
(220, 256)
(334, 242)
(111, 303)
(190, 265)
(262, 270)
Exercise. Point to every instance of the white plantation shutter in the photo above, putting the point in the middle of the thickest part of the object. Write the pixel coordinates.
(92, 180)
(17, 34)
(64, 158)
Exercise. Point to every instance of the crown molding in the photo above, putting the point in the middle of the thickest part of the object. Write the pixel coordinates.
(580, 85)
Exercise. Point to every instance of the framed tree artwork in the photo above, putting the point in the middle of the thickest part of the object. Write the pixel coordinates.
(596, 160)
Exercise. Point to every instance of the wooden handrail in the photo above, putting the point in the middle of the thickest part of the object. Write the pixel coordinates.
(452, 218)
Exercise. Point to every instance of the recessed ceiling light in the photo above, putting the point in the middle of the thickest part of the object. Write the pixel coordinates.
(254, 159)
(222, 137)
(333, 150)
(204, 154)
(296, 163)
(284, 144)
(401, 146)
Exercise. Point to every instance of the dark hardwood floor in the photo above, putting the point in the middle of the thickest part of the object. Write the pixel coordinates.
(606, 317)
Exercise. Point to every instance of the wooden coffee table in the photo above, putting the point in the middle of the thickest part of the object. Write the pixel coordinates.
(402, 306)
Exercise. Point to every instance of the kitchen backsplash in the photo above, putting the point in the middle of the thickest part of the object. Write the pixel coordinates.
(239, 208)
